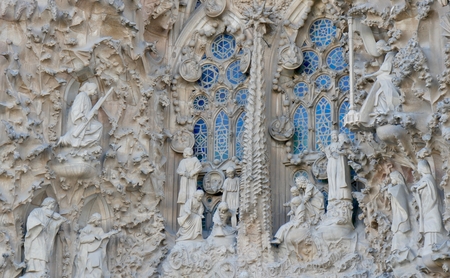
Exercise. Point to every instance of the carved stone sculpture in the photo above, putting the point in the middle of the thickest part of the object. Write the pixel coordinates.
(400, 226)
(42, 225)
(338, 171)
(384, 96)
(190, 219)
(299, 218)
(190, 70)
(91, 260)
(295, 192)
(427, 197)
(312, 200)
(282, 128)
(231, 194)
(188, 169)
(214, 8)
(82, 132)
(291, 56)
(222, 233)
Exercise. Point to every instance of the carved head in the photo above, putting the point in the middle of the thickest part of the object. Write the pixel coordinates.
(49, 203)
(382, 47)
(294, 191)
(188, 152)
(89, 88)
(334, 135)
(95, 219)
(223, 207)
(230, 172)
(198, 195)
(397, 178)
(424, 167)
(301, 182)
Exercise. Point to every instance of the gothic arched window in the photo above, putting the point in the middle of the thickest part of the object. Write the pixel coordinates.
(323, 122)
(301, 130)
(218, 100)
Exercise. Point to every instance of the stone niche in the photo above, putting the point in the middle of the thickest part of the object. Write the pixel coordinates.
(224, 138)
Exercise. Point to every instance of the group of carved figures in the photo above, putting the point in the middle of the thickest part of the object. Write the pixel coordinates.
(190, 200)
(43, 225)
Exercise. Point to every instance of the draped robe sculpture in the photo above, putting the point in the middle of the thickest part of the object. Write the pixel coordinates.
(188, 168)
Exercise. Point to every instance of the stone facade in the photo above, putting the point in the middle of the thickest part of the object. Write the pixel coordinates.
(224, 138)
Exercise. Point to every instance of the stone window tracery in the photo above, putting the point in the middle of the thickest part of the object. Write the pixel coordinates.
(218, 100)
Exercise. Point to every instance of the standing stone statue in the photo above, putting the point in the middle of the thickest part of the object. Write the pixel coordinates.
(91, 261)
(400, 212)
(231, 194)
(188, 169)
(42, 225)
(427, 196)
(190, 219)
(82, 131)
(338, 171)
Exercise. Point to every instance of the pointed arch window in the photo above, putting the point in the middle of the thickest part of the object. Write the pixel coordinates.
(301, 130)
(221, 136)
(323, 122)
(201, 140)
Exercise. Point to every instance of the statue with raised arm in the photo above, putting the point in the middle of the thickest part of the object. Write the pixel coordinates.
(42, 226)
(338, 171)
(231, 194)
(82, 129)
(91, 259)
(188, 169)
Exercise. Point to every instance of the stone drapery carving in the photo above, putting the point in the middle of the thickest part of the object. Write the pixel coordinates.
(190, 219)
(81, 131)
(42, 226)
(91, 260)
(338, 172)
(188, 169)
(312, 200)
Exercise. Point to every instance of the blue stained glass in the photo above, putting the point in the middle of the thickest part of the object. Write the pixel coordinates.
(223, 46)
(344, 84)
(240, 136)
(221, 136)
(197, 4)
(241, 97)
(310, 63)
(300, 138)
(200, 103)
(210, 75)
(343, 110)
(336, 59)
(301, 89)
(222, 95)
(322, 32)
(323, 82)
(300, 173)
(200, 182)
(234, 74)
(201, 140)
(323, 122)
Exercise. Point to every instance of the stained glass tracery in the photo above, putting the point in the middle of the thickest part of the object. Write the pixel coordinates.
(300, 173)
(201, 140)
(336, 60)
(300, 138)
(344, 84)
(210, 76)
(301, 89)
(222, 95)
(323, 82)
(223, 46)
(200, 103)
(322, 32)
(323, 122)
(310, 62)
(234, 74)
(241, 97)
(221, 136)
